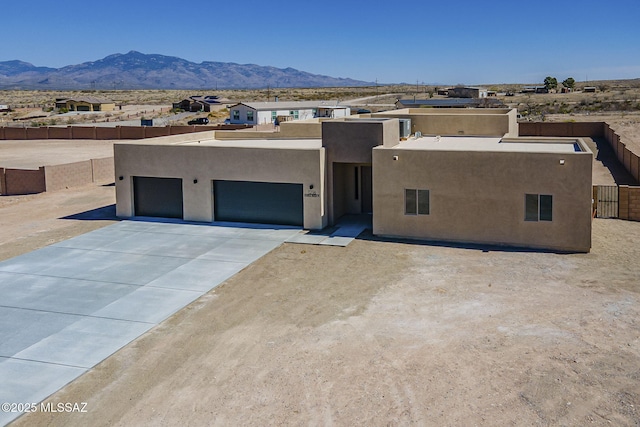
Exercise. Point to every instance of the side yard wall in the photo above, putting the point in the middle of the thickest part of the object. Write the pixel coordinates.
(21, 181)
(96, 132)
(56, 177)
(628, 196)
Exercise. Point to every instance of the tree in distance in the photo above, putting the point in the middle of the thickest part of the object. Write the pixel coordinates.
(550, 82)
(569, 82)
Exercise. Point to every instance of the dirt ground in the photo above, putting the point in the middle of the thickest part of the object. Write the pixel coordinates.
(33, 221)
(377, 333)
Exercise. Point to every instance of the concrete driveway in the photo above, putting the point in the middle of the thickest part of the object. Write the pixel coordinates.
(68, 306)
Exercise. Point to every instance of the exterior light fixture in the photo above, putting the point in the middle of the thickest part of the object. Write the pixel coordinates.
(311, 187)
(121, 178)
(395, 157)
(562, 161)
(195, 181)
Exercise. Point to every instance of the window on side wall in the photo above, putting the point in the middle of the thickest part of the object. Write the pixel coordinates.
(249, 116)
(416, 202)
(236, 114)
(538, 207)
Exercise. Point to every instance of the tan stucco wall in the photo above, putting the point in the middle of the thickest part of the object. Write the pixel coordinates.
(293, 129)
(459, 121)
(207, 163)
(478, 197)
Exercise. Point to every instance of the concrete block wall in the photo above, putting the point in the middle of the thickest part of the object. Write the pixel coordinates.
(103, 170)
(15, 133)
(118, 132)
(59, 133)
(59, 177)
(108, 133)
(81, 132)
(37, 133)
(628, 158)
(132, 132)
(629, 202)
(563, 129)
(56, 177)
(21, 181)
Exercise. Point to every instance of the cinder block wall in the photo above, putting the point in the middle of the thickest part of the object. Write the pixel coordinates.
(15, 133)
(59, 177)
(59, 133)
(23, 181)
(103, 170)
(629, 202)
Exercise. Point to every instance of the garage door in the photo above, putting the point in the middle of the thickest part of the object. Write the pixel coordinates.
(260, 202)
(161, 197)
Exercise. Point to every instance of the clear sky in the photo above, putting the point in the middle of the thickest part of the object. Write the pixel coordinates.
(446, 42)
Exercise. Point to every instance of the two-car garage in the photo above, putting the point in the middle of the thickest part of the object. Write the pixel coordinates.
(195, 178)
(233, 201)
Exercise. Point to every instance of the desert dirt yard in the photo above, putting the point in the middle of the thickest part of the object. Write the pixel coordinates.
(378, 333)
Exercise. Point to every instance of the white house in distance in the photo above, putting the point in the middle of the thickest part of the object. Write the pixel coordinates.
(258, 113)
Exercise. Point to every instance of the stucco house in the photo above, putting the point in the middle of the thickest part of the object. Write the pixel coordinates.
(85, 103)
(255, 113)
(463, 175)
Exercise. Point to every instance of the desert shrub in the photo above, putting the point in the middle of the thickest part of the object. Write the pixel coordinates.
(564, 109)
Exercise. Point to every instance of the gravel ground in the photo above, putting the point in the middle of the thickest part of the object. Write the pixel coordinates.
(378, 333)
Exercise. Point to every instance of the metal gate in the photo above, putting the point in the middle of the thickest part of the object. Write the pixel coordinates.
(606, 201)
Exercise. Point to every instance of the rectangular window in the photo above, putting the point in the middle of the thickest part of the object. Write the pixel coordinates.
(423, 202)
(236, 114)
(295, 114)
(538, 207)
(530, 207)
(249, 116)
(274, 116)
(416, 202)
(546, 207)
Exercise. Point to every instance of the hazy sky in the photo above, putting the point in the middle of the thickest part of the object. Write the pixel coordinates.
(447, 42)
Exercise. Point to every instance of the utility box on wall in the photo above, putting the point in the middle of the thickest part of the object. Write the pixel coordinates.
(405, 128)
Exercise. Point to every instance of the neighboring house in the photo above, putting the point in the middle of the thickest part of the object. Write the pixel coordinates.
(85, 103)
(467, 92)
(198, 103)
(449, 103)
(4, 108)
(255, 113)
(470, 180)
(535, 89)
(589, 89)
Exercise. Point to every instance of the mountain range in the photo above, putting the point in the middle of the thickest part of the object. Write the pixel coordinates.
(135, 70)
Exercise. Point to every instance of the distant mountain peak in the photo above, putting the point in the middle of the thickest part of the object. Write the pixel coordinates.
(136, 70)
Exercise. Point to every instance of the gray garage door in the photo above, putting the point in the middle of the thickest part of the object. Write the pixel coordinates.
(260, 202)
(161, 197)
